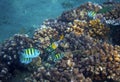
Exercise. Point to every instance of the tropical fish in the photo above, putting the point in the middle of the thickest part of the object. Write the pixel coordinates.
(91, 13)
(25, 60)
(30, 53)
(58, 56)
(55, 57)
(51, 48)
(54, 45)
(27, 55)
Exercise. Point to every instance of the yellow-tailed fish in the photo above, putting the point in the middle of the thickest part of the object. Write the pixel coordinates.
(54, 45)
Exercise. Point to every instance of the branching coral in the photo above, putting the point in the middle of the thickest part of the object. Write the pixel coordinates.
(60, 26)
(97, 29)
(79, 13)
(77, 27)
(42, 37)
(101, 64)
(85, 57)
(60, 73)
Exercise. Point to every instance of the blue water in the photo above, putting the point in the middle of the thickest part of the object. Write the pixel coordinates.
(23, 16)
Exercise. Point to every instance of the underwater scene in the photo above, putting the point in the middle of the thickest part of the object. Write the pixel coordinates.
(60, 41)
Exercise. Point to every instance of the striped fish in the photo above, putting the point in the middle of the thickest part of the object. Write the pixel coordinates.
(25, 60)
(91, 13)
(30, 53)
(55, 57)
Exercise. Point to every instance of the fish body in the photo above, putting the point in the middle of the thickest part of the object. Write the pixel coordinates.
(54, 45)
(91, 13)
(30, 53)
(25, 60)
(55, 57)
(58, 57)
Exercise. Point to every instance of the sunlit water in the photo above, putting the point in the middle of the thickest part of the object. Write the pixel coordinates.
(23, 16)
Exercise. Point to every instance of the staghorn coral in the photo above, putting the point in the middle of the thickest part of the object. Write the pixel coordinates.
(77, 27)
(43, 36)
(60, 73)
(80, 43)
(102, 64)
(97, 29)
(93, 28)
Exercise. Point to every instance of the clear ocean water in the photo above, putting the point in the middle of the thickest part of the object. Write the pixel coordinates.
(23, 16)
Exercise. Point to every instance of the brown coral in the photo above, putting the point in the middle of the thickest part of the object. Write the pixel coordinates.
(79, 13)
(97, 29)
(43, 36)
(77, 27)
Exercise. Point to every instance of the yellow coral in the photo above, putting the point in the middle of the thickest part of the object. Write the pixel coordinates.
(78, 27)
(97, 29)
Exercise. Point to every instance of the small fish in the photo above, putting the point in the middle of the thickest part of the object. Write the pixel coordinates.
(91, 13)
(57, 57)
(30, 53)
(54, 45)
(25, 60)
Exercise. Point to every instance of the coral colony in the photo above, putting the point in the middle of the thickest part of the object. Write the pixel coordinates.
(75, 47)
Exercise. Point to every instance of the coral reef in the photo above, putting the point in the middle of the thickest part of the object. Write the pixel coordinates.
(4, 73)
(9, 52)
(11, 47)
(42, 37)
(73, 48)
(60, 26)
(93, 28)
(97, 61)
(97, 29)
(103, 64)
(79, 13)
(113, 17)
(77, 27)
(59, 74)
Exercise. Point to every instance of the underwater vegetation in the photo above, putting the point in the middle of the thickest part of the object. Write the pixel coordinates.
(81, 45)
